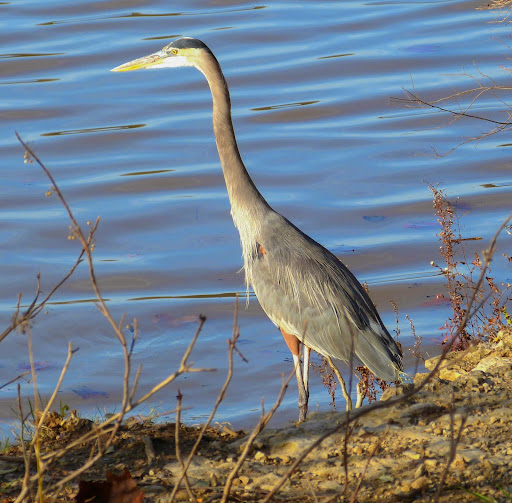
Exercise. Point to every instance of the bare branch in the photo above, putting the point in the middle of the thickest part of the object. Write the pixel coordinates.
(15, 379)
(367, 464)
(454, 442)
(177, 446)
(220, 397)
(412, 100)
(264, 419)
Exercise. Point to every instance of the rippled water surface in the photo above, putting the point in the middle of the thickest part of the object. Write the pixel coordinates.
(311, 84)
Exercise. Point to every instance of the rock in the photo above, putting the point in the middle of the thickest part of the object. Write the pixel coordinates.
(6, 468)
(505, 337)
(420, 471)
(502, 414)
(431, 463)
(257, 445)
(266, 482)
(420, 483)
(447, 420)
(330, 486)
(406, 485)
(423, 409)
(181, 495)
(487, 466)
(282, 459)
(325, 472)
(419, 378)
(261, 457)
(493, 364)
(398, 390)
(290, 448)
(471, 455)
(458, 462)
(451, 373)
(411, 454)
(441, 448)
(497, 460)
(474, 379)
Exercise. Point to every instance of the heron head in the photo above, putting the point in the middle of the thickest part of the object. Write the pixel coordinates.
(182, 52)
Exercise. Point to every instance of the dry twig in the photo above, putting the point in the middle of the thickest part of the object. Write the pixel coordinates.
(104, 433)
(179, 397)
(220, 397)
(454, 442)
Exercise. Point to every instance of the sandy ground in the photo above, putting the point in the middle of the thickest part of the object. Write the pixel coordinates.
(461, 420)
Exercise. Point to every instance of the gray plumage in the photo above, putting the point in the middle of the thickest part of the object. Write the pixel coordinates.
(307, 291)
(302, 287)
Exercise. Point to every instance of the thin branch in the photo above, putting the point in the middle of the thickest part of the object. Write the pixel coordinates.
(179, 397)
(367, 464)
(264, 419)
(64, 370)
(15, 379)
(26, 456)
(220, 397)
(454, 442)
(476, 93)
(415, 99)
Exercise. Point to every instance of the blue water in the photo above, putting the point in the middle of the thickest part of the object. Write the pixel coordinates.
(311, 85)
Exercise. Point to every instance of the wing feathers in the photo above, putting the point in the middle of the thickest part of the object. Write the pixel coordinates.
(308, 292)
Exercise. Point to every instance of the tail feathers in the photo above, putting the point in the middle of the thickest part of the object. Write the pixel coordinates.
(380, 353)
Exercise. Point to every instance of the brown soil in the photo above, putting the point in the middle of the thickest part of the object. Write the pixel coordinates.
(393, 454)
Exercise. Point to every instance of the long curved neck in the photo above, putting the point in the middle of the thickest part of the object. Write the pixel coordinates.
(243, 194)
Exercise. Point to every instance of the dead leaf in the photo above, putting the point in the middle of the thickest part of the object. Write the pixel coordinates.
(116, 489)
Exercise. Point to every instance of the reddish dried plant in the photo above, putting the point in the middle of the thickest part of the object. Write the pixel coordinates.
(328, 378)
(368, 382)
(490, 314)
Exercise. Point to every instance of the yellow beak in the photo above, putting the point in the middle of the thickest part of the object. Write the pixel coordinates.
(137, 64)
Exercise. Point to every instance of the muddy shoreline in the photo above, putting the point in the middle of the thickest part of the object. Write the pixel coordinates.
(463, 419)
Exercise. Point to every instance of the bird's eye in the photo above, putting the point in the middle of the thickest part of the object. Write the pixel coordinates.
(175, 51)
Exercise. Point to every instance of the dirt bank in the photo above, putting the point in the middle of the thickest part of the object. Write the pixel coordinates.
(393, 454)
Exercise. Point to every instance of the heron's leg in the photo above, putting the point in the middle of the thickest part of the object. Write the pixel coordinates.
(346, 394)
(303, 395)
(360, 394)
(305, 372)
(294, 346)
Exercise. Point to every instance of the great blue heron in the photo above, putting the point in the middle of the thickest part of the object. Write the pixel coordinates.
(314, 300)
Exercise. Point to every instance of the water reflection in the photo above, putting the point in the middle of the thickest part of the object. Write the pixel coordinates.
(94, 130)
(284, 105)
(31, 55)
(224, 295)
(151, 172)
(31, 81)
